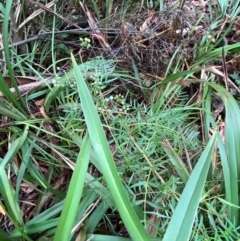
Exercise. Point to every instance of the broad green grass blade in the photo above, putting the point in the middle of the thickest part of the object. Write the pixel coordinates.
(180, 226)
(13, 112)
(232, 148)
(176, 76)
(40, 222)
(37, 227)
(98, 237)
(92, 182)
(106, 162)
(223, 4)
(4, 236)
(47, 214)
(74, 193)
(217, 52)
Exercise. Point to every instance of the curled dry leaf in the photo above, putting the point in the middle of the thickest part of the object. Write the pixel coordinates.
(25, 187)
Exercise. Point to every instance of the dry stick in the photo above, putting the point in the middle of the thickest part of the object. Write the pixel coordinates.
(41, 36)
(36, 13)
(29, 87)
(56, 14)
(153, 36)
(92, 23)
(86, 214)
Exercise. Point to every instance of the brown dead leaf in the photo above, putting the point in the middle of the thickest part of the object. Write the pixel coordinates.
(21, 80)
(25, 187)
(53, 12)
(199, 3)
(26, 84)
(151, 229)
(145, 24)
(92, 23)
(39, 103)
(36, 13)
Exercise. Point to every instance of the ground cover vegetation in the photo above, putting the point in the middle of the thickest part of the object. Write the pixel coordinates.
(119, 120)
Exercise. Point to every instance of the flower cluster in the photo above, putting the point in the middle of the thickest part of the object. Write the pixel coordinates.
(71, 83)
(85, 43)
(115, 103)
(97, 83)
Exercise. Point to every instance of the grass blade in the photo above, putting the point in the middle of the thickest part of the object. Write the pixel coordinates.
(9, 197)
(180, 226)
(6, 189)
(11, 112)
(4, 236)
(175, 160)
(232, 149)
(106, 162)
(3, 86)
(74, 193)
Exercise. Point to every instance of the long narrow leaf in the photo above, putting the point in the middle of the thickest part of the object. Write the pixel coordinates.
(106, 162)
(176, 161)
(13, 112)
(4, 236)
(6, 190)
(74, 193)
(232, 149)
(180, 226)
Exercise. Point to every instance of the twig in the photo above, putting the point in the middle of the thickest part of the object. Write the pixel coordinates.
(41, 36)
(29, 87)
(56, 14)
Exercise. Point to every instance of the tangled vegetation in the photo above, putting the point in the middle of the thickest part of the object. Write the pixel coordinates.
(119, 120)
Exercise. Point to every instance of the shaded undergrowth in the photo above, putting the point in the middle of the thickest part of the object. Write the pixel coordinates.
(131, 136)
